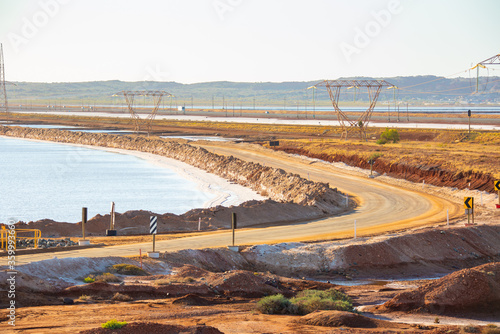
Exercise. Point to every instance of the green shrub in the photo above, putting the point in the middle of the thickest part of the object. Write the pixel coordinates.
(127, 269)
(89, 279)
(469, 329)
(491, 329)
(388, 135)
(276, 304)
(305, 302)
(107, 277)
(375, 156)
(174, 279)
(113, 324)
(312, 300)
(324, 294)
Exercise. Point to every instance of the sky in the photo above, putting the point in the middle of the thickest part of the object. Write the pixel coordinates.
(190, 41)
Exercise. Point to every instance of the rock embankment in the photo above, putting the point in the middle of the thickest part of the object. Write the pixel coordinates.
(281, 187)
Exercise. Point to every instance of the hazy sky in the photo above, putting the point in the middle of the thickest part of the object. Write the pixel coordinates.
(244, 40)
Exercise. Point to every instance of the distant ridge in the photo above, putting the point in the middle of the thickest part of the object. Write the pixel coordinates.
(412, 88)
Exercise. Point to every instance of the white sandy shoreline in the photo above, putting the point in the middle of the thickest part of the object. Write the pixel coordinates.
(225, 193)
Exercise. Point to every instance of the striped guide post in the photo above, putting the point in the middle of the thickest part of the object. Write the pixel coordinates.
(153, 228)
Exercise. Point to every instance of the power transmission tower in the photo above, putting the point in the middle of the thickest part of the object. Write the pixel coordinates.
(129, 98)
(3, 92)
(495, 60)
(334, 87)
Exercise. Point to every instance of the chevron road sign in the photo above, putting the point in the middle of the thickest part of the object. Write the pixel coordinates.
(469, 202)
(153, 226)
(469, 209)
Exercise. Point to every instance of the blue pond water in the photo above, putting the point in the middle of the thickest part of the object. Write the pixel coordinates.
(49, 180)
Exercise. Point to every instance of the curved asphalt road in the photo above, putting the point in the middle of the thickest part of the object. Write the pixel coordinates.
(381, 208)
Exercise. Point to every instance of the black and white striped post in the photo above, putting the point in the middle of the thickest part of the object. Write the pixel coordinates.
(153, 228)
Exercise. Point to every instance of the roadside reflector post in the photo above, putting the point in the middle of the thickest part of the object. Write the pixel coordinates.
(84, 242)
(234, 226)
(199, 223)
(354, 228)
(140, 256)
(496, 183)
(112, 220)
(153, 229)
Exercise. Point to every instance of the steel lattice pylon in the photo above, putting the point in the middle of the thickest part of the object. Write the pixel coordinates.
(3, 92)
(360, 124)
(495, 60)
(129, 98)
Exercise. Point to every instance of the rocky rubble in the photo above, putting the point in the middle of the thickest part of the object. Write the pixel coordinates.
(45, 243)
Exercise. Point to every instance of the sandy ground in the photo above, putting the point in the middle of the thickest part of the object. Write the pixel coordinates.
(188, 296)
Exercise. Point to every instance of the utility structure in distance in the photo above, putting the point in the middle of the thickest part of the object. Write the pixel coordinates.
(360, 124)
(157, 96)
(3, 92)
(495, 60)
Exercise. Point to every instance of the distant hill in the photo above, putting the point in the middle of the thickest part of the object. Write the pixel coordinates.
(415, 89)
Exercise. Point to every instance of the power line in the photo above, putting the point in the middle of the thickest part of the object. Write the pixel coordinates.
(426, 82)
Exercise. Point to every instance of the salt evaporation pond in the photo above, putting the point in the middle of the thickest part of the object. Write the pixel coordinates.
(49, 180)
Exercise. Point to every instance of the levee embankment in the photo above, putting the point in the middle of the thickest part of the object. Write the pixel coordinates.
(291, 197)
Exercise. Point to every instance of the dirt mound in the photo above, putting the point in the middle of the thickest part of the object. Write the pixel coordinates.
(192, 300)
(136, 291)
(73, 270)
(234, 283)
(337, 319)
(190, 271)
(155, 328)
(470, 290)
